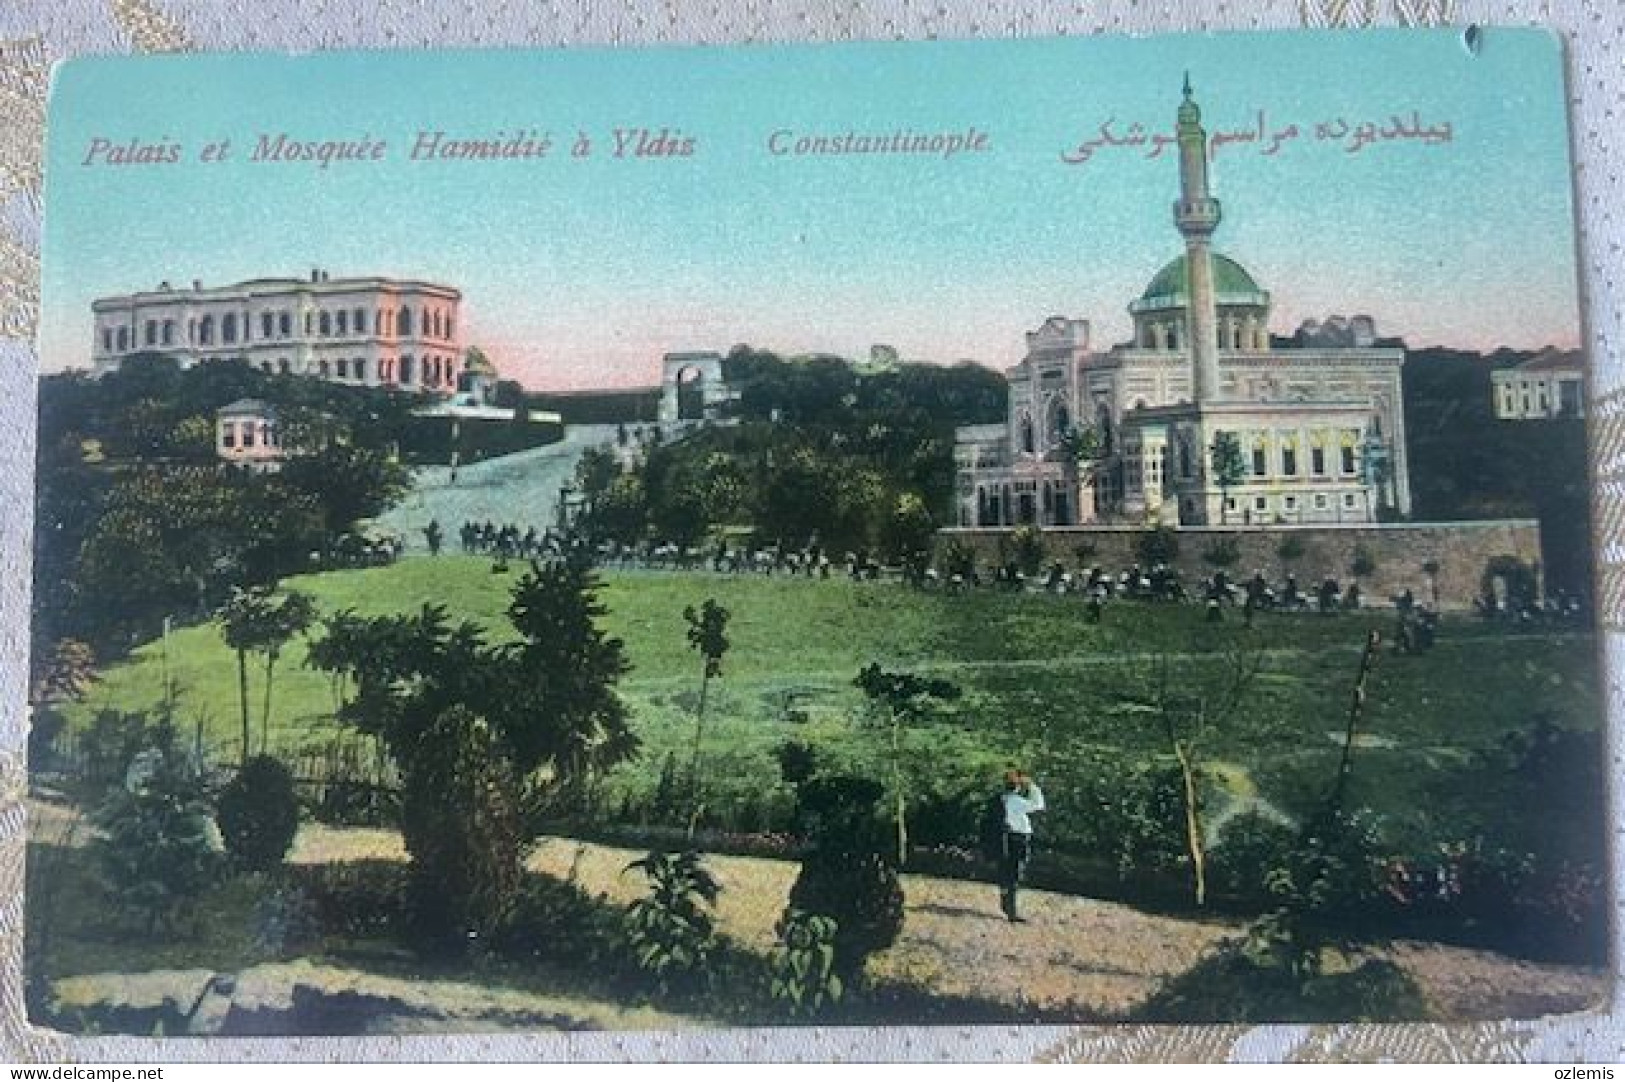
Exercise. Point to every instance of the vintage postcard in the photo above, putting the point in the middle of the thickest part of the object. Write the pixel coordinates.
(954, 532)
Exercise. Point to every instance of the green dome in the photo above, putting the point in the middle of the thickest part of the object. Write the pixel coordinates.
(1231, 285)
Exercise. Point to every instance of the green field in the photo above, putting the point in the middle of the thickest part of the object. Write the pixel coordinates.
(1042, 687)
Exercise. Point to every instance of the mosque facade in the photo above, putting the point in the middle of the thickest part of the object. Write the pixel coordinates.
(1202, 419)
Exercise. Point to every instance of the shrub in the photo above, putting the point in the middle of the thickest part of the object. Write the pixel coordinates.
(157, 853)
(1248, 847)
(845, 874)
(552, 921)
(113, 739)
(1223, 552)
(258, 813)
(1230, 987)
(1363, 563)
(959, 558)
(1027, 550)
(804, 976)
(460, 819)
(1291, 549)
(1322, 888)
(671, 932)
(797, 761)
(355, 899)
(1158, 546)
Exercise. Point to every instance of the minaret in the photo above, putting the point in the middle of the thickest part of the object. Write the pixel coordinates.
(1196, 214)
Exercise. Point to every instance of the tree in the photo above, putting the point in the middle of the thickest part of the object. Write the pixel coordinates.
(549, 696)
(243, 624)
(908, 534)
(65, 672)
(157, 852)
(349, 482)
(460, 821)
(1185, 719)
(255, 620)
(560, 708)
(1229, 468)
(904, 698)
(596, 470)
(707, 633)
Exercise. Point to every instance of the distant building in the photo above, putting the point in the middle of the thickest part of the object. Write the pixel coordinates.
(246, 434)
(374, 332)
(1126, 435)
(1548, 386)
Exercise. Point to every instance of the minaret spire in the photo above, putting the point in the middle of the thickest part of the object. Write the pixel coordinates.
(1196, 215)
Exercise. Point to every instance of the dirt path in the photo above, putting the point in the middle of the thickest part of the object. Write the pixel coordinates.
(1091, 958)
(1094, 958)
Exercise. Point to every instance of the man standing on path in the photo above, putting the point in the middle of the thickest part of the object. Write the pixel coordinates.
(1020, 799)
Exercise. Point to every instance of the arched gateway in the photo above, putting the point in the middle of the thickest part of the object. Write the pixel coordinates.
(691, 387)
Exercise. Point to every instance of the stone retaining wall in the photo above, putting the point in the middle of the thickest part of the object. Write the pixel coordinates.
(1399, 551)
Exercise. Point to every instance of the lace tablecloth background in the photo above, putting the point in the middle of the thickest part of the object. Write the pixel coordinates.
(36, 33)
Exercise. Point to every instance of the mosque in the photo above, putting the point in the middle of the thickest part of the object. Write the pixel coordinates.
(1201, 420)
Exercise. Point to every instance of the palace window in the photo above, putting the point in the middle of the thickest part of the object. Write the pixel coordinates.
(326, 324)
(360, 321)
(1348, 500)
(403, 322)
(1320, 501)
(107, 339)
(1289, 460)
(151, 332)
(228, 435)
(205, 330)
(1261, 503)
(343, 368)
(1347, 463)
(228, 327)
(344, 322)
(1289, 502)
(1317, 461)
(407, 375)
(248, 435)
(284, 324)
(361, 368)
(265, 324)
(1259, 464)
(283, 366)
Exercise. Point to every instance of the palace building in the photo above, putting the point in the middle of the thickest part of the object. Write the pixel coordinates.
(364, 331)
(1313, 431)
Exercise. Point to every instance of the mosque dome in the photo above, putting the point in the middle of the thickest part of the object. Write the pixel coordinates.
(1232, 285)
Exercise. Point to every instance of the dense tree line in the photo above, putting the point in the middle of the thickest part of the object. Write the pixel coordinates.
(1465, 464)
(136, 520)
(822, 453)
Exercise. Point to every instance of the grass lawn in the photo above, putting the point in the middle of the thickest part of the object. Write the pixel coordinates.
(1042, 687)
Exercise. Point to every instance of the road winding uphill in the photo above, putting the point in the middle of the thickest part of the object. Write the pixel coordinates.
(521, 488)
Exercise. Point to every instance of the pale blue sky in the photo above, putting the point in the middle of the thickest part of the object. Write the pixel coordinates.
(582, 272)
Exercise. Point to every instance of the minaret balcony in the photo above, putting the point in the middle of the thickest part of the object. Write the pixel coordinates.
(1197, 215)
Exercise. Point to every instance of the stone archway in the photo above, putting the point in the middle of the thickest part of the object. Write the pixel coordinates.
(706, 372)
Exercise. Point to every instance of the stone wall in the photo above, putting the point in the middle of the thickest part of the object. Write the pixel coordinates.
(1462, 550)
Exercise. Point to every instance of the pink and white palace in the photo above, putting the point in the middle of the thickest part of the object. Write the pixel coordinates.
(364, 331)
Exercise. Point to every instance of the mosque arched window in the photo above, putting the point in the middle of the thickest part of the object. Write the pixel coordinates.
(1058, 423)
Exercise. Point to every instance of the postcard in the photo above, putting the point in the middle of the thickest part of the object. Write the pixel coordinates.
(1061, 530)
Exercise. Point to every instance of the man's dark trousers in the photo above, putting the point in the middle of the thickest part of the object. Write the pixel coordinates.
(1012, 866)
